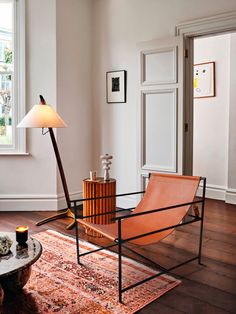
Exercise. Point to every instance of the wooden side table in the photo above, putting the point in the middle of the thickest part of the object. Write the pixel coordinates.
(98, 188)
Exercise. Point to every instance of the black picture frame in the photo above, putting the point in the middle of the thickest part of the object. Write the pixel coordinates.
(116, 86)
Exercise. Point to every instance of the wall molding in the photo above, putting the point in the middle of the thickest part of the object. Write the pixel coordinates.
(230, 196)
(218, 23)
(144, 107)
(216, 192)
(61, 201)
(127, 201)
(212, 192)
(51, 202)
(143, 56)
(35, 202)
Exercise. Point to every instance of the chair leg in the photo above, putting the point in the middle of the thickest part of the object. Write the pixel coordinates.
(120, 271)
(77, 247)
(77, 235)
(200, 244)
(119, 262)
(202, 221)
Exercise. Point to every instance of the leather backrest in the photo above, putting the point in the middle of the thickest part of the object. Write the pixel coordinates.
(163, 190)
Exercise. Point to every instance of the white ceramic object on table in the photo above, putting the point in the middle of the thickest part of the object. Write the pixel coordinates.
(106, 161)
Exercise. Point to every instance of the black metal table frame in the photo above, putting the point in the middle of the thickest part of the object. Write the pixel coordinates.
(120, 242)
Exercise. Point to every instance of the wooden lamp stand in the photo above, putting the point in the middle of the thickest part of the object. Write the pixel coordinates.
(67, 212)
(43, 116)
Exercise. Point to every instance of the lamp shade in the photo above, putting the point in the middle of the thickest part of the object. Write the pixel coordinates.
(42, 116)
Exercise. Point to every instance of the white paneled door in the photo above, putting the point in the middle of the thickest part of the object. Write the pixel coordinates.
(161, 107)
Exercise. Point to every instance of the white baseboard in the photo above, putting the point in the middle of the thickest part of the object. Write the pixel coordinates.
(219, 193)
(61, 201)
(230, 196)
(216, 192)
(52, 202)
(57, 202)
(38, 202)
(127, 201)
(212, 191)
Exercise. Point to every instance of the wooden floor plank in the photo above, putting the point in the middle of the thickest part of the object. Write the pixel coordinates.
(190, 304)
(215, 297)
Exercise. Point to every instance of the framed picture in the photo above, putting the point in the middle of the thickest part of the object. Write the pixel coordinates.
(204, 80)
(116, 86)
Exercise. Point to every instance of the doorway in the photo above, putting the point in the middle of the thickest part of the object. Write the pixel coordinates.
(211, 102)
(224, 23)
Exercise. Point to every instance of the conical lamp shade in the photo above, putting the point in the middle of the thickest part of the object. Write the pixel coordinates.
(42, 116)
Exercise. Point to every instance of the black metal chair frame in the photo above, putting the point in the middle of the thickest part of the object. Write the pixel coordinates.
(120, 242)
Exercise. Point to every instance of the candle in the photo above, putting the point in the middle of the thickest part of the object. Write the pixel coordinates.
(93, 175)
(22, 234)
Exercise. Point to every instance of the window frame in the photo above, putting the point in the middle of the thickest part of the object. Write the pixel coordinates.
(18, 146)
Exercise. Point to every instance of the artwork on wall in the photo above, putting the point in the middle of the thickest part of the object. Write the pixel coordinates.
(204, 80)
(116, 86)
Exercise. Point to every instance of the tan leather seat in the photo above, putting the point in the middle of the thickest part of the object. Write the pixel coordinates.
(163, 190)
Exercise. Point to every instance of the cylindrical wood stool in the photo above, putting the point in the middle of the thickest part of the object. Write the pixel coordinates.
(98, 188)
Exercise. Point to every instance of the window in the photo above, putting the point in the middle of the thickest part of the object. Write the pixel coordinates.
(12, 85)
(1, 51)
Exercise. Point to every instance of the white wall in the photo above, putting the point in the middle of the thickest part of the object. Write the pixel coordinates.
(74, 91)
(211, 117)
(118, 27)
(58, 36)
(29, 182)
(231, 191)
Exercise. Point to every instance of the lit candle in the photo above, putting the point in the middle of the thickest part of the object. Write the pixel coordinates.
(22, 234)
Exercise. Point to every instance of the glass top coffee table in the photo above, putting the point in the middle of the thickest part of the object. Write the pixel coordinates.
(15, 267)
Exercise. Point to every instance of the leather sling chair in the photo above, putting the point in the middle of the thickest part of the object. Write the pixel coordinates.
(166, 201)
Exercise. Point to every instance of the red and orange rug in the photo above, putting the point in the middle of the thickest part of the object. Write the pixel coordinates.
(59, 285)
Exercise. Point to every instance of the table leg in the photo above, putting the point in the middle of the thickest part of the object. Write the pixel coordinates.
(15, 282)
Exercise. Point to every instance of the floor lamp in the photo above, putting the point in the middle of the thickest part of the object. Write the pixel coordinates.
(43, 116)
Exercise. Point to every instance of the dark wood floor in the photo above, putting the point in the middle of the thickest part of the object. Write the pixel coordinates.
(204, 289)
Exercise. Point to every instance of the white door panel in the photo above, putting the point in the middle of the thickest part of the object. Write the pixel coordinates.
(160, 141)
(159, 130)
(159, 66)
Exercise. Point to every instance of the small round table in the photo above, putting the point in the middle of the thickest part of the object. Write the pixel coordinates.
(99, 188)
(15, 267)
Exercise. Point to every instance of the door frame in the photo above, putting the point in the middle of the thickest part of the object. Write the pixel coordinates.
(213, 25)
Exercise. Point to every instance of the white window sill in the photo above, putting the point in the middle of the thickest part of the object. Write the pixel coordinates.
(13, 154)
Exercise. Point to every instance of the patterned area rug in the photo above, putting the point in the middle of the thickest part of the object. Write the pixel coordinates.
(59, 285)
